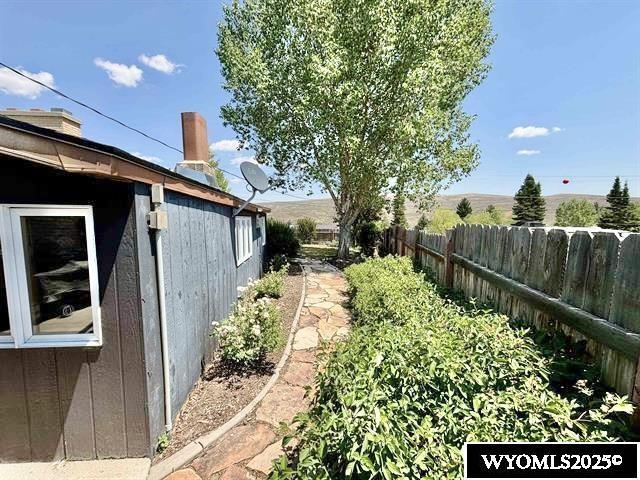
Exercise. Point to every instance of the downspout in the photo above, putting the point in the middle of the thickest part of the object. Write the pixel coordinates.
(158, 221)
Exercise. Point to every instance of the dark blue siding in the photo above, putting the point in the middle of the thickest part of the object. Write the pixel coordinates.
(201, 281)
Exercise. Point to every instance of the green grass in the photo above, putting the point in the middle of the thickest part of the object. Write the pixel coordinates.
(318, 251)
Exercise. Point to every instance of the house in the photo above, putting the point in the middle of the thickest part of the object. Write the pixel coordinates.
(326, 232)
(97, 358)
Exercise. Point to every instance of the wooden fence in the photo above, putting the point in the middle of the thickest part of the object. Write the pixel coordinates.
(586, 283)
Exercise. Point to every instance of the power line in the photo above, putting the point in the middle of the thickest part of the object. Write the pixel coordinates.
(109, 117)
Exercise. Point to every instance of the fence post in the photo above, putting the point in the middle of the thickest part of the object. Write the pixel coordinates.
(448, 259)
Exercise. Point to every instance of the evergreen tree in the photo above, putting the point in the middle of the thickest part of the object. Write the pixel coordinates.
(422, 223)
(619, 214)
(529, 206)
(464, 208)
(399, 216)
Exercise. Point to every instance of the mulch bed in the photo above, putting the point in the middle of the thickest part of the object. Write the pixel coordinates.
(222, 391)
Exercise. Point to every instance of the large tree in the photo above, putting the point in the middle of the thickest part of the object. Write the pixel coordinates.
(529, 205)
(362, 97)
(619, 214)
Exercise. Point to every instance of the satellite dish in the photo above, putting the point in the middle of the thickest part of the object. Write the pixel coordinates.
(256, 179)
(254, 176)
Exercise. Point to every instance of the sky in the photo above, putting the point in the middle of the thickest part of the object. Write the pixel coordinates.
(562, 100)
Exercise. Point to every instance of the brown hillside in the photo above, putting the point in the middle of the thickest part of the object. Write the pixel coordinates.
(323, 212)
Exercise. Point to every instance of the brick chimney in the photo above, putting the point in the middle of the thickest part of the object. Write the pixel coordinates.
(194, 143)
(57, 119)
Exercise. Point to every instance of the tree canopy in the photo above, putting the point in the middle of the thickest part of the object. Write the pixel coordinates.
(363, 98)
(576, 213)
(223, 183)
(529, 206)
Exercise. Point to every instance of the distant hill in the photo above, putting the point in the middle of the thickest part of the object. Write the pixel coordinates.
(322, 210)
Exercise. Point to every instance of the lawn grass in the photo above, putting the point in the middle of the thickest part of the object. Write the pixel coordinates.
(318, 251)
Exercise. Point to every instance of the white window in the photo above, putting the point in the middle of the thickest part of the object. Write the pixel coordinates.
(244, 239)
(49, 287)
(262, 225)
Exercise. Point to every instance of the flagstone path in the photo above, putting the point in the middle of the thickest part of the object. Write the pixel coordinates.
(248, 450)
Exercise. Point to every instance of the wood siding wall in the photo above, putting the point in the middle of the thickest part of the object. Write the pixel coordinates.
(80, 403)
(596, 272)
(201, 280)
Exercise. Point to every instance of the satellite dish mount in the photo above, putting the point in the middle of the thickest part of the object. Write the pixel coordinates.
(256, 179)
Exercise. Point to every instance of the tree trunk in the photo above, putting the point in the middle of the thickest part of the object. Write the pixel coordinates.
(344, 240)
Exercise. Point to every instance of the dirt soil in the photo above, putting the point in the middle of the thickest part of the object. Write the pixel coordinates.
(222, 392)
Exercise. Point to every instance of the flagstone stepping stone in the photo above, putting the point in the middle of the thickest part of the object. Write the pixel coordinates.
(236, 472)
(299, 373)
(339, 311)
(326, 330)
(184, 474)
(308, 320)
(319, 312)
(239, 444)
(281, 404)
(325, 305)
(262, 462)
(305, 338)
(306, 356)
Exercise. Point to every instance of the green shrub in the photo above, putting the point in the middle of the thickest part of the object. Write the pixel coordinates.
(271, 284)
(443, 219)
(281, 239)
(252, 330)
(418, 377)
(306, 229)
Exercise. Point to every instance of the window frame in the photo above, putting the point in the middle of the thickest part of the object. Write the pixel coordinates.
(262, 225)
(16, 281)
(244, 238)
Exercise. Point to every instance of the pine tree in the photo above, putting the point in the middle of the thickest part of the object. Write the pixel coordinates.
(529, 206)
(619, 214)
(464, 208)
(399, 216)
(221, 180)
(422, 223)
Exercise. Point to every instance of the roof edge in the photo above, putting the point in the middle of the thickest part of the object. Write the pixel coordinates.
(117, 164)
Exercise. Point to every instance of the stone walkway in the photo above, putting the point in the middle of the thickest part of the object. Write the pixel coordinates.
(248, 450)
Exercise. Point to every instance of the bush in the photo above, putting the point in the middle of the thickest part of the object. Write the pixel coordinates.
(488, 217)
(417, 378)
(306, 230)
(272, 284)
(281, 239)
(252, 330)
(443, 219)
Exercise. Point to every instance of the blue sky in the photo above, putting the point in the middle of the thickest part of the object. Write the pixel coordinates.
(573, 65)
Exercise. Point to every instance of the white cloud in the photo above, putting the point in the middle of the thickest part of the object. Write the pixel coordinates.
(529, 132)
(129, 76)
(225, 146)
(161, 63)
(528, 152)
(148, 158)
(557, 129)
(239, 160)
(235, 180)
(13, 84)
